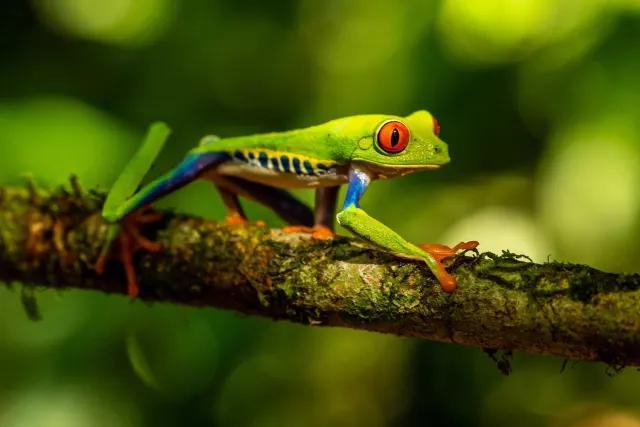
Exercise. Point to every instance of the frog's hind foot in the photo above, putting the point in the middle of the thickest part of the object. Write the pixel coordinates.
(129, 241)
(318, 232)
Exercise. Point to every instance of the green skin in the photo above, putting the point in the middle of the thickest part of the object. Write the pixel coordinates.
(342, 151)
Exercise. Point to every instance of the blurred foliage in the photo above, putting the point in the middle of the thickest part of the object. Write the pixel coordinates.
(538, 100)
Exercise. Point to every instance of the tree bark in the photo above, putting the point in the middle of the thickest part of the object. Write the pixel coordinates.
(52, 239)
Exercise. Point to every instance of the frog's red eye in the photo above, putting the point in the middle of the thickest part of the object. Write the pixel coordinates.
(393, 137)
(436, 126)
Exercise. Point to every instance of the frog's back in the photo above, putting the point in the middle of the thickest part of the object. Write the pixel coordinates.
(310, 157)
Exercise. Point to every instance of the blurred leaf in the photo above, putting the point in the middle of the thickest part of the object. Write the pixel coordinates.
(140, 363)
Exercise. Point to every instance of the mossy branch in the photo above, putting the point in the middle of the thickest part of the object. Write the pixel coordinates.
(52, 239)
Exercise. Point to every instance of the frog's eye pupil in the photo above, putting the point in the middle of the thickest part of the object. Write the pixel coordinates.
(393, 136)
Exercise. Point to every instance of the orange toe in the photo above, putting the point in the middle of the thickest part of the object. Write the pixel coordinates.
(297, 229)
(129, 241)
(318, 232)
(447, 281)
(322, 233)
(138, 241)
(235, 219)
(101, 264)
(150, 218)
(440, 252)
(466, 246)
(126, 252)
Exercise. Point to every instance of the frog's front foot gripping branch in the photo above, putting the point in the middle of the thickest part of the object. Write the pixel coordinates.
(440, 252)
(360, 223)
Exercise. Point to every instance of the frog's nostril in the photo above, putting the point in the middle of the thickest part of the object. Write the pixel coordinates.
(437, 149)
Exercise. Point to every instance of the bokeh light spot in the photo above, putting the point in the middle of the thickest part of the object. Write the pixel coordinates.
(67, 406)
(589, 194)
(498, 31)
(492, 30)
(501, 228)
(366, 47)
(340, 377)
(123, 22)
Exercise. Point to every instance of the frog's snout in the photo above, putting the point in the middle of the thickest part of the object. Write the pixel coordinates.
(440, 153)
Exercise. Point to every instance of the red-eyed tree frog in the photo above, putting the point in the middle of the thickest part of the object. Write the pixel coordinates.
(353, 150)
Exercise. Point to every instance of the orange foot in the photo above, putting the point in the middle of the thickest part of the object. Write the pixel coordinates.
(235, 219)
(318, 232)
(129, 241)
(440, 252)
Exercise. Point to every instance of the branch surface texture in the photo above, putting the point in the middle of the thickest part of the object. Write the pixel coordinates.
(52, 239)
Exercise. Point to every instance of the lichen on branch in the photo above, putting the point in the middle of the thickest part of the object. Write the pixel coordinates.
(52, 239)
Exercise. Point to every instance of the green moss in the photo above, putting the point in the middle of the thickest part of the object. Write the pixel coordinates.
(288, 289)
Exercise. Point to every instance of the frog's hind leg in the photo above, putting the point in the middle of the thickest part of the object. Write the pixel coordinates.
(324, 217)
(278, 200)
(127, 218)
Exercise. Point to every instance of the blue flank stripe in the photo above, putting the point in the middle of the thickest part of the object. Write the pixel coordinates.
(264, 160)
(296, 165)
(308, 168)
(274, 164)
(285, 163)
(191, 167)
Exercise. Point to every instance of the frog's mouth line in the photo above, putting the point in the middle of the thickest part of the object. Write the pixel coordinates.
(382, 171)
(388, 168)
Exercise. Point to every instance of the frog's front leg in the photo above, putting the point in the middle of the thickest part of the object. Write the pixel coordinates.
(360, 223)
(235, 212)
(325, 211)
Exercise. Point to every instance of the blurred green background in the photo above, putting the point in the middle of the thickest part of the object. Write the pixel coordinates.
(538, 100)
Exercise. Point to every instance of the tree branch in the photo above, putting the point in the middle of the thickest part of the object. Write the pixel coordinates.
(52, 239)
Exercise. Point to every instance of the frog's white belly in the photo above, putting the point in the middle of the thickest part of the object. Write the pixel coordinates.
(268, 176)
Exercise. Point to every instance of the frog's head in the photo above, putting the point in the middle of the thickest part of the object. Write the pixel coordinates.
(401, 145)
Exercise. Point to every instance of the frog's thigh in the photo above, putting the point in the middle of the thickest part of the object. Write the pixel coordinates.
(278, 200)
